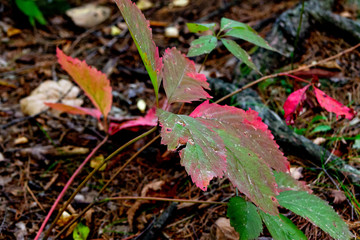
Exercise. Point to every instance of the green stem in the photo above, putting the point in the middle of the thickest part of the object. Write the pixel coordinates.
(105, 186)
(92, 173)
(297, 34)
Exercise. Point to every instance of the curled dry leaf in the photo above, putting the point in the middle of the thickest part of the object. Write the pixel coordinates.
(338, 196)
(89, 15)
(50, 91)
(156, 186)
(223, 230)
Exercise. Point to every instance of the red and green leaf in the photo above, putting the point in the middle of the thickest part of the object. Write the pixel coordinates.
(293, 104)
(331, 105)
(226, 140)
(181, 81)
(140, 31)
(149, 120)
(94, 83)
(74, 109)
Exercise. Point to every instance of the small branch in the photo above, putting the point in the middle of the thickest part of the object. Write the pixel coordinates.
(67, 185)
(288, 72)
(162, 199)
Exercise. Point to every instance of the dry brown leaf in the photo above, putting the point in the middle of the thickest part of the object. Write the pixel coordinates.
(338, 196)
(155, 185)
(222, 230)
(89, 15)
(50, 91)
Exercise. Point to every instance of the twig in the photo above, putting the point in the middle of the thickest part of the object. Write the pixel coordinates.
(161, 199)
(67, 185)
(34, 197)
(288, 72)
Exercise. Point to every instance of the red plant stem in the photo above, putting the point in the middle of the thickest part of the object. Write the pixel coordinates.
(67, 185)
(295, 77)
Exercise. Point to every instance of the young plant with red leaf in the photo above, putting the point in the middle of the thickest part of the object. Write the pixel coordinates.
(294, 103)
(216, 141)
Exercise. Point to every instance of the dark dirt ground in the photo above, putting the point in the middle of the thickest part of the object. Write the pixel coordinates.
(31, 175)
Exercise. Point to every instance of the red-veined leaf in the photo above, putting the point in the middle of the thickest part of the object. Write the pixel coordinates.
(181, 81)
(140, 31)
(331, 105)
(226, 140)
(293, 104)
(94, 83)
(74, 109)
(150, 119)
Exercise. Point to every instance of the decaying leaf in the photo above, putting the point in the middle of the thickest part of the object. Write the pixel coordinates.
(224, 140)
(223, 230)
(181, 81)
(89, 15)
(94, 83)
(50, 91)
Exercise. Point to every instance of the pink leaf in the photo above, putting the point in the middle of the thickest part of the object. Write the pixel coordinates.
(224, 140)
(141, 33)
(94, 83)
(75, 110)
(181, 81)
(293, 104)
(331, 105)
(150, 119)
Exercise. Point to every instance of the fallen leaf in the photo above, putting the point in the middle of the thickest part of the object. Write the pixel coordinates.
(223, 230)
(144, 4)
(171, 32)
(50, 91)
(180, 3)
(21, 140)
(296, 172)
(338, 196)
(97, 161)
(89, 15)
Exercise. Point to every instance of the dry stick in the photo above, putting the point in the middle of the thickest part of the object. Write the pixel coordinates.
(105, 186)
(288, 72)
(67, 185)
(91, 174)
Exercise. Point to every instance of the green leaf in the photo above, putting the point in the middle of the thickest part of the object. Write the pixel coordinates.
(281, 228)
(202, 45)
(226, 140)
(81, 232)
(248, 34)
(321, 128)
(227, 23)
(240, 53)
(141, 33)
(30, 9)
(200, 27)
(317, 211)
(244, 218)
(286, 182)
(181, 81)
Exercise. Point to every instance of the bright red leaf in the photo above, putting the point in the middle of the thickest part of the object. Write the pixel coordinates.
(293, 104)
(331, 105)
(94, 83)
(150, 119)
(140, 31)
(223, 140)
(75, 110)
(181, 81)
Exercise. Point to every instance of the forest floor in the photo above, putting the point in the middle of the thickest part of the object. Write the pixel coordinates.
(39, 153)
